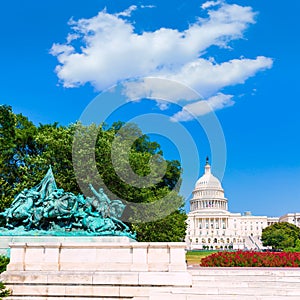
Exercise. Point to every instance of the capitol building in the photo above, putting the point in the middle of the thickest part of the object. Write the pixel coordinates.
(211, 226)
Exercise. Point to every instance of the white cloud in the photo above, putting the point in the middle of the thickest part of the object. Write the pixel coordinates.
(198, 79)
(208, 77)
(148, 6)
(127, 12)
(159, 89)
(111, 51)
(209, 4)
(203, 107)
(71, 37)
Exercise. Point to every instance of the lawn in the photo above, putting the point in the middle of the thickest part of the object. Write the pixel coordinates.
(194, 257)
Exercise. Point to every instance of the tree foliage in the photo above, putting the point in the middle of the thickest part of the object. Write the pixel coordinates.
(103, 155)
(4, 261)
(168, 229)
(4, 292)
(281, 235)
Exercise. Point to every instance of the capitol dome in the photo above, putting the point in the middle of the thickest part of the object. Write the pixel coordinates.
(208, 180)
(208, 192)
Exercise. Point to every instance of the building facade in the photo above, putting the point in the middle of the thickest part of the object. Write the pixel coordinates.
(211, 226)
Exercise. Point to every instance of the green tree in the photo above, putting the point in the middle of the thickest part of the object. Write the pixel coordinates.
(27, 152)
(169, 229)
(104, 157)
(281, 235)
(8, 121)
(145, 159)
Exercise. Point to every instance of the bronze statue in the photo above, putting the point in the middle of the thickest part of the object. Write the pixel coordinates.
(48, 209)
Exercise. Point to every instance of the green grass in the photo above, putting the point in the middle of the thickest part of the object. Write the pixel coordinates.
(194, 257)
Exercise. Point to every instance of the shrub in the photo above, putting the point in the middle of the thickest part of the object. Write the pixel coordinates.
(3, 263)
(251, 259)
(3, 291)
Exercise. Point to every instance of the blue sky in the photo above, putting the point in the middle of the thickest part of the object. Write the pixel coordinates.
(240, 57)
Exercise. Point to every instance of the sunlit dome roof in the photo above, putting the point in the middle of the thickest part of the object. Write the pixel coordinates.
(208, 181)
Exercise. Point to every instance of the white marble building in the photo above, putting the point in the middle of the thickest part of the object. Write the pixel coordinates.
(211, 226)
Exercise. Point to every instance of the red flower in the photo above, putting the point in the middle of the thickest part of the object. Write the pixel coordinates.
(251, 259)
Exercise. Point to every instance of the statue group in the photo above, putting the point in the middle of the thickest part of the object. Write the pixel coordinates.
(46, 208)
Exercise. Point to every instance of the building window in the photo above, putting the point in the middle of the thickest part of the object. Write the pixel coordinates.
(209, 240)
(227, 240)
(200, 226)
(196, 240)
(215, 240)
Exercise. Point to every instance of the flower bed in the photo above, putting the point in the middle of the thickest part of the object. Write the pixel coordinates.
(252, 259)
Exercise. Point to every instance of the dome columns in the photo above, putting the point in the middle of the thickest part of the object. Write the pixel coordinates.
(205, 204)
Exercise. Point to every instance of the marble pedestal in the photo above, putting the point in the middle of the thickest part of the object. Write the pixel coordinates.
(85, 270)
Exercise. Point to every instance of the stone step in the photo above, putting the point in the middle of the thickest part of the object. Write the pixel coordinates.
(71, 298)
(219, 297)
(97, 278)
(244, 278)
(228, 293)
(239, 271)
(266, 279)
(53, 291)
(68, 298)
(259, 291)
(245, 284)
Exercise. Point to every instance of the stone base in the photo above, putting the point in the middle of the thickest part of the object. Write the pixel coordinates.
(5, 240)
(121, 270)
(93, 284)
